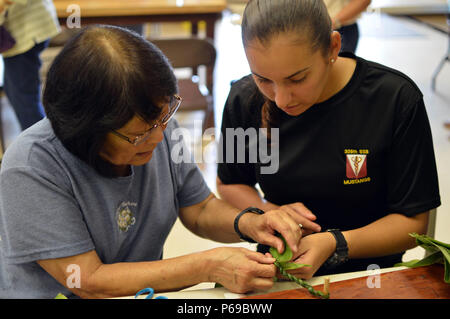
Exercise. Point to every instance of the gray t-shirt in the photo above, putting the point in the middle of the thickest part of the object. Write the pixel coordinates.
(54, 205)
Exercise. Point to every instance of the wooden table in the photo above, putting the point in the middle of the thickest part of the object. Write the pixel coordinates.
(128, 12)
(416, 283)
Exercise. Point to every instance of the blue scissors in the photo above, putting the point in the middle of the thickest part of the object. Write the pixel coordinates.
(150, 292)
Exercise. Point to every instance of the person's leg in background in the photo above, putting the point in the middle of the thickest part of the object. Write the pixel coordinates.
(22, 85)
(350, 37)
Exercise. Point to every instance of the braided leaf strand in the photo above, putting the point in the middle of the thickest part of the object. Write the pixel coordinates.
(301, 282)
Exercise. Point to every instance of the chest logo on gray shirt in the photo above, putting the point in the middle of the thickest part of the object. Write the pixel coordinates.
(124, 215)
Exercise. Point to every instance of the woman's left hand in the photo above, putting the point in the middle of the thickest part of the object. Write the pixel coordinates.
(313, 250)
(302, 216)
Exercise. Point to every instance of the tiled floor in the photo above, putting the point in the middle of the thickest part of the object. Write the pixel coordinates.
(401, 43)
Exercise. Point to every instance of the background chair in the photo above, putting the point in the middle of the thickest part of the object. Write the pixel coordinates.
(192, 53)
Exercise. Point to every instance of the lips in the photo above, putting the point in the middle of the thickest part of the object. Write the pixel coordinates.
(292, 107)
(289, 109)
(144, 154)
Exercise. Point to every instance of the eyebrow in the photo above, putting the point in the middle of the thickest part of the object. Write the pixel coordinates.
(126, 132)
(143, 132)
(288, 77)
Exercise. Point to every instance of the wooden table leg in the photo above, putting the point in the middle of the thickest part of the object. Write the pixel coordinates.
(211, 26)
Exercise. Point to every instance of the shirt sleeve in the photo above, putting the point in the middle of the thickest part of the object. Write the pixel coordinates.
(412, 175)
(39, 218)
(191, 187)
(231, 169)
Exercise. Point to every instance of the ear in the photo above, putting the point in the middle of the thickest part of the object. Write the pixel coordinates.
(335, 45)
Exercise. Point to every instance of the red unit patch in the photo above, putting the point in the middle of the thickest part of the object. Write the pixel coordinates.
(356, 166)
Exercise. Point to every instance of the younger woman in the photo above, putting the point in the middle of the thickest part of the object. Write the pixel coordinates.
(356, 159)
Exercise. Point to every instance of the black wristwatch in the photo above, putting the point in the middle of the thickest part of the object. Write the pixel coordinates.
(253, 210)
(340, 255)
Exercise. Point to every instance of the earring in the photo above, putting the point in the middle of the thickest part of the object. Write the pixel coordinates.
(332, 60)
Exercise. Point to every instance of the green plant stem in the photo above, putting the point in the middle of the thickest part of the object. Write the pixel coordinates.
(302, 283)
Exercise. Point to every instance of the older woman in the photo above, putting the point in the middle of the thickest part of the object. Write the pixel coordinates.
(89, 194)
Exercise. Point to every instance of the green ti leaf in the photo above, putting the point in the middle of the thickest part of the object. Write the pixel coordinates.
(285, 256)
(283, 264)
(429, 260)
(291, 266)
(446, 254)
(424, 239)
(440, 252)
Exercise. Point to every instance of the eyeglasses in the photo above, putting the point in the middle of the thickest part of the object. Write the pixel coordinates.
(174, 104)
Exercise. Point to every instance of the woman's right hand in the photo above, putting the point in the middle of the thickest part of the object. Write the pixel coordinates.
(241, 270)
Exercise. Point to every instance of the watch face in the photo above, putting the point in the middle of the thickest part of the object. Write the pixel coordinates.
(341, 259)
(335, 260)
(332, 261)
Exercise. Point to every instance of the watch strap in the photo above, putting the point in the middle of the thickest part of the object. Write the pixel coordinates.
(340, 255)
(253, 210)
(341, 243)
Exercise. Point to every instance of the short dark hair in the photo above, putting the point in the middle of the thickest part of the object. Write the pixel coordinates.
(103, 77)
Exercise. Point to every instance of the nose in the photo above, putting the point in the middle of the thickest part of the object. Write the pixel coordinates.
(282, 96)
(156, 135)
(159, 133)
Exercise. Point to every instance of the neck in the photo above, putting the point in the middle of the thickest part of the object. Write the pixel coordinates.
(117, 170)
(340, 74)
(123, 170)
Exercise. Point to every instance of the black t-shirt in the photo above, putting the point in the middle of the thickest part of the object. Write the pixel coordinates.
(363, 154)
